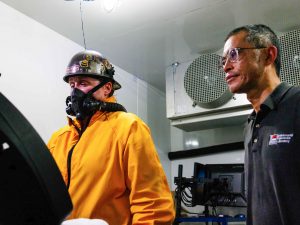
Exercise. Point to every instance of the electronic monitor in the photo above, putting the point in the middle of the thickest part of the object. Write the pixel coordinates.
(219, 185)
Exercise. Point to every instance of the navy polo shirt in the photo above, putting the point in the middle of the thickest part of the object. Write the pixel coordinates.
(272, 159)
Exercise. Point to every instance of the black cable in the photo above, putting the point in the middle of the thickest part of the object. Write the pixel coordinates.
(82, 27)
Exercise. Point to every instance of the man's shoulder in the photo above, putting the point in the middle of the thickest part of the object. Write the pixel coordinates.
(62, 130)
(293, 92)
(127, 117)
(127, 121)
(295, 88)
(57, 134)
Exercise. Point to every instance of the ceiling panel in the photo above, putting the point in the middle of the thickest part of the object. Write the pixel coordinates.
(144, 37)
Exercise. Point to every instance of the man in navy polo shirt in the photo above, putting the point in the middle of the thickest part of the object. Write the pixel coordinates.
(251, 61)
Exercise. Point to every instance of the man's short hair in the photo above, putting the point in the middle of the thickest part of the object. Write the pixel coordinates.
(260, 35)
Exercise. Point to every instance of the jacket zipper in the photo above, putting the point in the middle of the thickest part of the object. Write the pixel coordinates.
(69, 159)
(69, 165)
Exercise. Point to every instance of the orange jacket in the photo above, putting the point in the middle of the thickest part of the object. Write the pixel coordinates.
(115, 172)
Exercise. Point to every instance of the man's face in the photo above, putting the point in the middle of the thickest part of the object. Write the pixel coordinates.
(244, 74)
(86, 84)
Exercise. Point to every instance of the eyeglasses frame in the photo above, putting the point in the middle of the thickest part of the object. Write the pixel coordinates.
(224, 59)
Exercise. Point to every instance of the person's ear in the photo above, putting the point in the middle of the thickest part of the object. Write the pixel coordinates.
(272, 54)
(108, 88)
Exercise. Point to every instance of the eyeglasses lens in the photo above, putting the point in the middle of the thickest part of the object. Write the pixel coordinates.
(233, 55)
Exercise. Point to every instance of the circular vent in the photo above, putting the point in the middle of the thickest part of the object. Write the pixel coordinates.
(205, 83)
(290, 58)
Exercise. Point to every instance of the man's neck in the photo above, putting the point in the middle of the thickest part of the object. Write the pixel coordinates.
(258, 96)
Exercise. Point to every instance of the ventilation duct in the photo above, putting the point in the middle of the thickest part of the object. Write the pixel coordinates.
(198, 97)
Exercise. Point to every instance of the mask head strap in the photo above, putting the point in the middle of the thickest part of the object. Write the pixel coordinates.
(100, 85)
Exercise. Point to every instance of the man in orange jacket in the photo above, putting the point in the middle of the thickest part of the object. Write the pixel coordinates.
(107, 156)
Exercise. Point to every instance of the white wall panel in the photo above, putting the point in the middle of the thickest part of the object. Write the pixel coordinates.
(33, 60)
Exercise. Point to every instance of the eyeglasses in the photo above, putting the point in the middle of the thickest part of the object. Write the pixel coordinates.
(233, 55)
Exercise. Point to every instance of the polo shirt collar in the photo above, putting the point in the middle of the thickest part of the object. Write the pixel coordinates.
(273, 99)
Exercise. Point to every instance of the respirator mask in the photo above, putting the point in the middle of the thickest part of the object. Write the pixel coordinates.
(82, 105)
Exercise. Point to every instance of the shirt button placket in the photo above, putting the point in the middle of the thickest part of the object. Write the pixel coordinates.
(256, 126)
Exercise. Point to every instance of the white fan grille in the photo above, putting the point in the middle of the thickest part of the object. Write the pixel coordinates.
(205, 83)
(290, 58)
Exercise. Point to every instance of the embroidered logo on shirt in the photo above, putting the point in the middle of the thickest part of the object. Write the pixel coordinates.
(280, 138)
